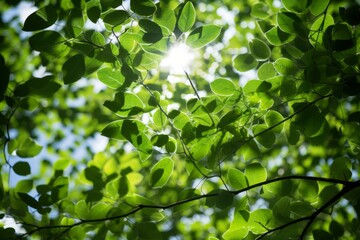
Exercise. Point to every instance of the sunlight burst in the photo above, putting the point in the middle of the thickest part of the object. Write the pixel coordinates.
(177, 59)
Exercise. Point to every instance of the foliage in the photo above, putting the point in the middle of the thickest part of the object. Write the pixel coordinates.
(257, 139)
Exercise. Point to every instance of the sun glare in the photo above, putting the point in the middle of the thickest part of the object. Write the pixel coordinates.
(178, 58)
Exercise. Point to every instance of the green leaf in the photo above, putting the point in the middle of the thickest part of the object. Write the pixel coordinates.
(285, 66)
(260, 10)
(29, 200)
(143, 7)
(116, 17)
(160, 119)
(341, 168)
(318, 7)
(133, 131)
(148, 230)
(223, 86)
(237, 179)
(112, 78)
(259, 49)
(266, 71)
(114, 129)
(202, 36)
(292, 133)
(24, 185)
(301, 208)
(256, 86)
(62, 163)
(239, 226)
(273, 118)
(111, 3)
(171, 145)
(222, 200)
(73, 69)
(295, 6)
(159, 140)
(336, 228)
(310, 121)
(317, 30)
(22, 168)
(321, 234)
(50, 42)
(255, 173)
(29, 148)
(281, 209)
(309, 190)
(187, 17)
(161, 172)
(153, 32)
(74, 23)
(277, 37)
(260, 218)
(180, 120)
(93, 10)
(289, 22)
(99, 211)
(264, 136)
(200, 149)
(40, 19)
(165, 16)
(244, 62)
(125, 104)
(81, 209)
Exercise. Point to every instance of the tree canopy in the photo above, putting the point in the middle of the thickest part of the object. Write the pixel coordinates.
(251, 131)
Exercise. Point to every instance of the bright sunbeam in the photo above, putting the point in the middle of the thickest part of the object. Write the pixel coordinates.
(178, 58)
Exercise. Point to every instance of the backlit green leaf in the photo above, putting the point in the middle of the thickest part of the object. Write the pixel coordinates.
(187, 17)
(273, 118)
(237, 179)
(309, 190)
(50, 42)
(318, 6)
(244, 62)
(93, 10)
(263, 136)
(295, 6)
(341, 168)
(40, 19)
(317, 30)
(266, 71)
(260, 10)
(142, 7)
(255, 173)
(288, 22)
(73, 69)
(99, 210)
(29, 148)
(202, 36)
(285, 66)
(277, 37)
(81, 209)
(223, 86)
(153, 32)
(259, 49)
(74, 23)
(116, 17)
(165, 16)
(161, 172)
(111, 77)
(125, 104)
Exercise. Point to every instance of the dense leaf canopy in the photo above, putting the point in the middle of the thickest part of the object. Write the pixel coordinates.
(258, 137)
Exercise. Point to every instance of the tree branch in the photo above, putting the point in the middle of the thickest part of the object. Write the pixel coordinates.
(348, 186)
